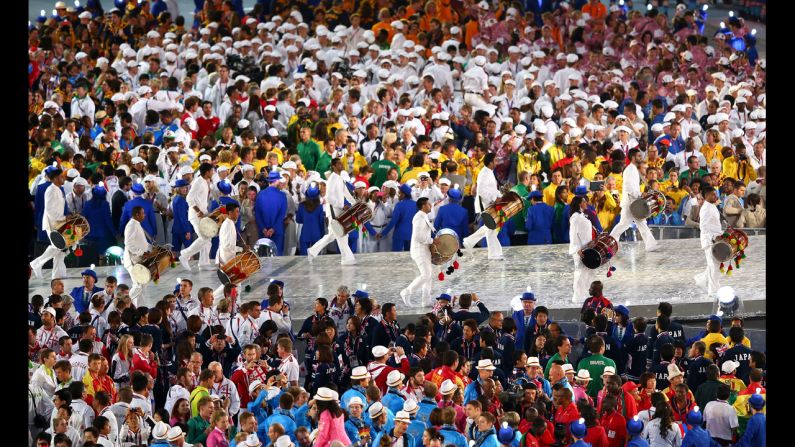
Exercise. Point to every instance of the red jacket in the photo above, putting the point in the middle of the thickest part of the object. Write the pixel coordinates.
(443, 373)
(380, 372)
(207, 125)
(616, 427)
(566, 416)
(596, 436)
(626, 405)
(139, 363)
(242, 378)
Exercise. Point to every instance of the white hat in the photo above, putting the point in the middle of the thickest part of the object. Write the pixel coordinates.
(609, 371)
(486, 364)
(152, 34)
(355, 400)
(448, 387)
(394, 379)
(160, 430)
(325, 394)
(728, 367)
(737, 133)
(72, 172)
(360, 372)
(84, 15)
(379, 351)
(532, 361)
(150, 178)
(137, 160)
(720, 117)
(254, 385)
(674, 371)
(657, 127)
(283, 441)
(403, 416)
(623, 129)
(375, 410)
(410, 406)
(175, 434)
(50, 311)
(583, 374)
(185, 170)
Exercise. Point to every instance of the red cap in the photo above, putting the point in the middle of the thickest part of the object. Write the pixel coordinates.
(630, 386)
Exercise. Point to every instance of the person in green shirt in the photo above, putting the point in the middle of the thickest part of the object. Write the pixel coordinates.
(595, 364)
(382, 167)
(521, 189)
(205, 382)
(693, 170)
(324, 162)
(563, 344)
(199, 426)
(308, 150)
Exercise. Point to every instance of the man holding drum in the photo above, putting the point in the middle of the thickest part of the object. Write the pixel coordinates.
(580, 234)
(198, 198)
(487, 193)
(135, 245)
(709, 224)
(630, 190)
(420, 252)
(336, 194)
(54, 206)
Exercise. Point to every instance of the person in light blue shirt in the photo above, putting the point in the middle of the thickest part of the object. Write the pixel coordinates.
(355, 426)
(670, 216)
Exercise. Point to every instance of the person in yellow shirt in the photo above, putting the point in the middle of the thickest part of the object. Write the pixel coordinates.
(738, 167)
(671, 187)
(417, 163)
(712, 149)
(713, 336)
(605, 204)
(555, 151)
(589, 165)
(549, 191)
(353, 160)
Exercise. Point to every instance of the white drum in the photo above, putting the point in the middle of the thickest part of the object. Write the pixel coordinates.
(140, 274)
(208, 228)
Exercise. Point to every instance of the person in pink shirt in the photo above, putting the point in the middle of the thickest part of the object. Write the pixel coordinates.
(220, 422)
(581, 381)
(331, 419)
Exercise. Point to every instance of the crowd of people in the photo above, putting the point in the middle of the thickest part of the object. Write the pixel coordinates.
(285, 116)
(191, 371)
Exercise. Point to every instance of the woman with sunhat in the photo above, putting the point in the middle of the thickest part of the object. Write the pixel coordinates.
(331, 420)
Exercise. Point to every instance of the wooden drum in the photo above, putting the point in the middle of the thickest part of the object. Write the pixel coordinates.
(650, 204)
(502, 209)
(730, 244)
(209, 224)
(152, 264)
(241, 267)
(448, 246)
(599, 251)
(350, 219)
(69, 231)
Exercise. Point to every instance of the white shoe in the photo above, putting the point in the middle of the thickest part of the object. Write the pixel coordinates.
(207, 267)
(348, 263)
(501, 258)
(652, 248)
(185, 262)
(36, 272)
(405, 296)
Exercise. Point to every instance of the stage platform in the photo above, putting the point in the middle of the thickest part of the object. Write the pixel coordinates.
(640, 281)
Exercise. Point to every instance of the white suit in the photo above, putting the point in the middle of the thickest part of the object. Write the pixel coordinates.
(135, 245)
(227, 249)
(336, 193)
(198, 196)
(421, 239)
(580, 234)
(54, 203)
(709, 224)
(487, 193)
(630, 190)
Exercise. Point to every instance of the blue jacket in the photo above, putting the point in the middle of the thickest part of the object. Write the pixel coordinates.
(260, 413)
(285, 418)
(696, 436)
(637, 441)
(350, 394)
(453, 436)
(78, 297)
(415, 429)
(97, 213)
(472, 391)
(492, 441)
(401, 220)
(393, 400)
(270, 210)
(387, 427)
(674, 219)
(426, 406)
(314, 224)
(755, 432)
(538, 224)
(353, 431)
(179, 207)
(150, 221)
(518, 317)
(455, 217)
(300, 416)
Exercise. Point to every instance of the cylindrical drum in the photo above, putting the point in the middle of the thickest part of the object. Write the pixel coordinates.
(651, 203)
(209, 224)
(502, 209)
(355, 216)
(599, 251)
(241, 267)
(728, 245)
(152, 264)
(447, 248)
(69, 231)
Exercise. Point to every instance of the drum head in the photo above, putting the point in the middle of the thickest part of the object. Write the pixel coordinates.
(640, 209)
(591, 258)
(488, 221)
(336, 228)
(722, 251)
(448, 244)
(140, 274)
(208, 228)
(223, 277)
(57, 240)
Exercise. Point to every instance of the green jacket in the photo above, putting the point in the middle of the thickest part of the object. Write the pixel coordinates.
(687, 176)
(196, 427)
(519, 219)
(380, 170)
(595, 364)
(323, 164)
(551, 359)
(309, 153)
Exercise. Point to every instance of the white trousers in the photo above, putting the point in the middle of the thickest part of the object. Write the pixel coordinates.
(492, 242)
(342, 243)
(424, 280)
(58, 265)
(583, 276)
(710, 277)
(201, 245)
(626, 221)
(137, 289)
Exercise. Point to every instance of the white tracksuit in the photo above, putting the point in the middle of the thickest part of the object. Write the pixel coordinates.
(336, 191)
(580, 234)
(135, 245)
(54, 202)
(198, 196)
(630, 190)
(709, 224)
(421, 239)
(487, 192)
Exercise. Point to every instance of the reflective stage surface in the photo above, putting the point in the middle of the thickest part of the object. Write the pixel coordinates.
(640, 279)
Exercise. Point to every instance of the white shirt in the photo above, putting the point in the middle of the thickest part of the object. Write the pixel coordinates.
(44, 381)
(289, 367)
(283, 323)
(630, 189)
(580, 233)
(49, 338)
(487, 189)
(113, 435)
(336, 191)
(227, 242)
(227, 388)
(79, 362)
(198, 196)
(242, 329)
(709, 223)
(475, 80)
(421, 229)
(721, 419)
(142, 402)
(175, 393)
(54, 202)
(135, 243)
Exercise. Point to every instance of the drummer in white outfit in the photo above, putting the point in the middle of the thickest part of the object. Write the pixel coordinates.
(381, 213)
(421, 229)
(54, 204)
(336, 193)
(227, 242)
(580, 234)
(630, 190)
(487, 193)
(709, 225)
(198, 198)
(135, 245)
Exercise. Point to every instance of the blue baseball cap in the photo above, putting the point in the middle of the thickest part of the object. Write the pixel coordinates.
(581, 191)
(99, 191)
(224, 186)
(312, 192)
(180, 183)
(536, 194)
(361, 294)
(454, 194)
(506, 434)
(694, 417)
(405, 189)
(138, 188)
(277, 282)
(274, 176)
(715, 318)
(634, 426)
(578, 428)
(757, 402)
(89, 272)
(444, 296)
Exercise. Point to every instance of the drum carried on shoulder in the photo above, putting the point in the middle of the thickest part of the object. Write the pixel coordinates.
(730, 246)
(351, 219)
(209, 224)
(501, 210)
(650, 204)
(69, 231)
(239, 268)
(599, 251)
(447, 248)
(152, 264)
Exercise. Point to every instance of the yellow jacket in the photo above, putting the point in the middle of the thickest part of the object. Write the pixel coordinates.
(677, 195)
(589, 171)
(549, 194)
(739, 170)
(358, 162)
(607, 215)
(715, 337)
(619, 180)
(555, 154)
(712, 152)
(529, 163)
(259, 164)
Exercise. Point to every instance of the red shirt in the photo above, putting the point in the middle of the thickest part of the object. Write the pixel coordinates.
(207, 125)
(139, 363)
(530, 440)
(752, 389)
(242, 378)
(596, 436)
(566, 416)
(616, 429)
(548, 438)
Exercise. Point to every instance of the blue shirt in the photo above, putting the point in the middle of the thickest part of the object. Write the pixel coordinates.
(455, 217)
(401, 220)
(755, 432)
(149, 223)
(540, 218)
(314, 223)
(270, 209)
(179, 207)
(97, 213)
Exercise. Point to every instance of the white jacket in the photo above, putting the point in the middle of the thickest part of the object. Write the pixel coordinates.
(487, 190)
(135, 243)
(227, 242)
(630, 188)
(709, 223)
(45, 382)
(580, 232)
(421, 229)
(198, 196)
(54, 202)
(336, 191)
